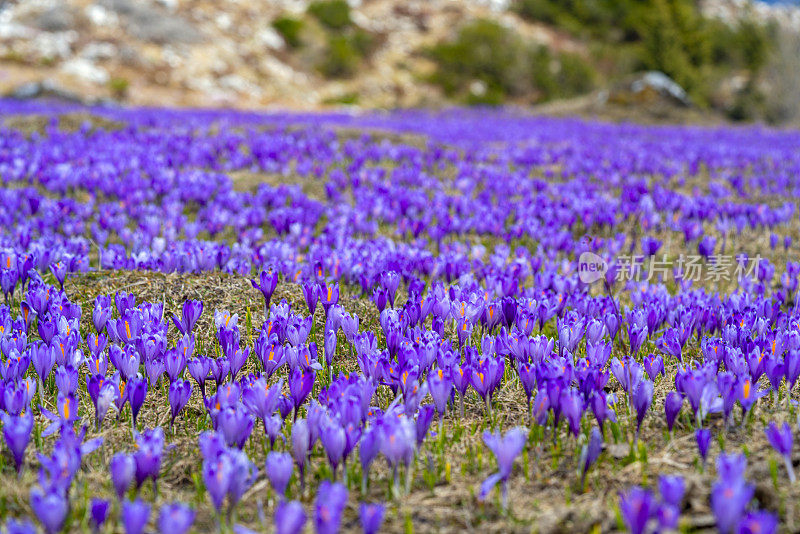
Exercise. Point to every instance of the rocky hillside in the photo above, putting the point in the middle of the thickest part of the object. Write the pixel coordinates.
(229, 52)
(295, 53)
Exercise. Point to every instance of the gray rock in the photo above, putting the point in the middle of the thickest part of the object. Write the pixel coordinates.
(152, 24)
(43, 89)
(56, 19)
(662, 84)
(49, 90)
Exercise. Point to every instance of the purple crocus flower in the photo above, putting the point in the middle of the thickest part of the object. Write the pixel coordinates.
(179, 393)
(781, 440)
(289, 517)
(334, 440)
(67, 406)
(67, 379)
(217, 473)
(301, 382)
(654, 365)
(137, 391)
(150, 447)
(668, 516)
(272, 357)
(731, 468)
(236, 424)
(368, 448)
(103, 393)
(175, 360)
(51, 509)
(330, 348)
(424, 417)
(273, 426)
(590, 452)
(59, 270)
(122, 468)
(760, 522)
(19, 526)
(101, 312)
(601, 410)
(641, 399)
(398, 438)
(747, 396)
(191, 312)
(328, 296)
(58, 471)
(135, 515)
(571, 407)
(279, 470)
(440, 386)
(527, 377)
(636, 335)
(175, 518)
(672, 407)
(505, 449)
(671, 488)
(98, 513)
(199, 369)
(637, 507)
(17, 434)
(124, 301)
(486, 376)
(311, 294)
(650, 245)
(328, 507)
(706, 246)
(267, 282)
(243, 474)
(43, 358)
(238, 358)
(371, 516)
(671, 344)
(703, 438)
(261, 398)
(154, 369)
(301, 443)
(730, 495)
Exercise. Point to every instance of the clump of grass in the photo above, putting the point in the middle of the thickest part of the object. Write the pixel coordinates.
(290, 29)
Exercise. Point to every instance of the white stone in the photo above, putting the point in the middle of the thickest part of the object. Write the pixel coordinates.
(99, 51)
(101, 16)
(270, 38)
(54, 45)
(224, 21)
(85, 70)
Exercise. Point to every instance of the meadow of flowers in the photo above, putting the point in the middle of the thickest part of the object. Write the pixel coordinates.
(321, 322)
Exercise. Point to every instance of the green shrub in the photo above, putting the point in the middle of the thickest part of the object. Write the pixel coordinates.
(289, 28)
(362, 41)
(341, 58)
(347, 45)
(541, 67)
(483, 51)
(347, 99)
(748, 105)
(672, 36)
(575, 76)
(487, 52)
(119, 87)
(333, 14)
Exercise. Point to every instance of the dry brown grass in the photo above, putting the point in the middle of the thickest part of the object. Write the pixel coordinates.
(67, 122)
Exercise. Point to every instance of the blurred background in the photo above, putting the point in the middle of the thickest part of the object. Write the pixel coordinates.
(646, 60)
